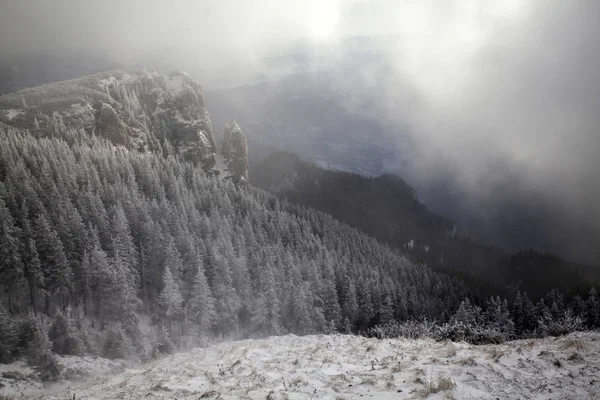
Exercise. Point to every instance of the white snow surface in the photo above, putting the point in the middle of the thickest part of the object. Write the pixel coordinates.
(353, 367)
(19, 380)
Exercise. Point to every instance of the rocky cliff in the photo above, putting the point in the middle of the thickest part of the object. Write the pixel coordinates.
(140, 110)
(235, 152)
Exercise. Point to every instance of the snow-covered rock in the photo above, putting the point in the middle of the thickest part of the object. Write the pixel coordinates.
(350, 367)
(136, 109)
(235, 153)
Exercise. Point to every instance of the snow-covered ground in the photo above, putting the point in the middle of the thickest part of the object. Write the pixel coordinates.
(352, 367)
(18, 379)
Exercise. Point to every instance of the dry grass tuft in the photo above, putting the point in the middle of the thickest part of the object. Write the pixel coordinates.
(557, 363)
(442, 385)
(546, 353)
(420, 380)
(298, 381)
(451, 350)
(211, 378)
(369, 381)
(419, 373)
(496, 352)
(467, 361)
(575, 357)
(574, 343)
(209, 394)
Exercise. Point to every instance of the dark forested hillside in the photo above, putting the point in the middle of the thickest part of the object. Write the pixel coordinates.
(387, 208)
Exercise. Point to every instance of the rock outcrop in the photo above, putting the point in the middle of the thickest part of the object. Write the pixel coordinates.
(139, 110)
(235, 153)
(109, 125)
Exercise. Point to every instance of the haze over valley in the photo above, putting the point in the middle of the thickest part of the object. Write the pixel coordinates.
(207, 183)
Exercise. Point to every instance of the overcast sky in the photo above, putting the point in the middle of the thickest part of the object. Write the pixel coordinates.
(475, 81)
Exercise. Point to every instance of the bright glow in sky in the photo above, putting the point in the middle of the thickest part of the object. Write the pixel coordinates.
(322, 23)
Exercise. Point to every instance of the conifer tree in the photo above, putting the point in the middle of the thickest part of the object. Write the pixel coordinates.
(55, 267)
(386, 310)
(40, 355)
(170, 299)
(62, 336)
(592, 309)
(8, 336)
(467, 314)
(201, 307)
(33, 272)
(11, 266)
(227, 301)
(122, 244)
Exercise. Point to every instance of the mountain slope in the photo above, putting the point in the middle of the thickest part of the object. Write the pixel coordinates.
(100, 231)
(386, 208)
(339, 116)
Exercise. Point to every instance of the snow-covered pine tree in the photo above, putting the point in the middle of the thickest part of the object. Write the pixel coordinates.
(498, 316)
(349, 302)
(467, 314)
(170, 299)
(201, 306)
(12, 275)
(116, 343)
(227, 301)
(58, 277)
(40, 354)
(8, 336)
(386, 310)
(63, 338)
(122, 243)
(592, 309)
(33, 273)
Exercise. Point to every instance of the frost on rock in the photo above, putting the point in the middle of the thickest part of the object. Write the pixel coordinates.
(235, 153)
(109, 125)
(136, 109)
(131, 108)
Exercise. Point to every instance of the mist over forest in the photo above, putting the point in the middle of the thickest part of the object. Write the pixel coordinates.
(176, 174)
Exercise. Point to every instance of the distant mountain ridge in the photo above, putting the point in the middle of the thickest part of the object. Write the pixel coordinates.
(333, 118)
(387, 208)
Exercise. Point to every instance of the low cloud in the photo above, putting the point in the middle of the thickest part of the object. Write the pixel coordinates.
(501, 97)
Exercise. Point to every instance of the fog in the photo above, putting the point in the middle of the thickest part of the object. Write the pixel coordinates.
(501, 99)
(495, 95)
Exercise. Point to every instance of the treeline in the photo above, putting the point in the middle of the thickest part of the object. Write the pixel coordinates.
(500, 320)
(121, 253)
